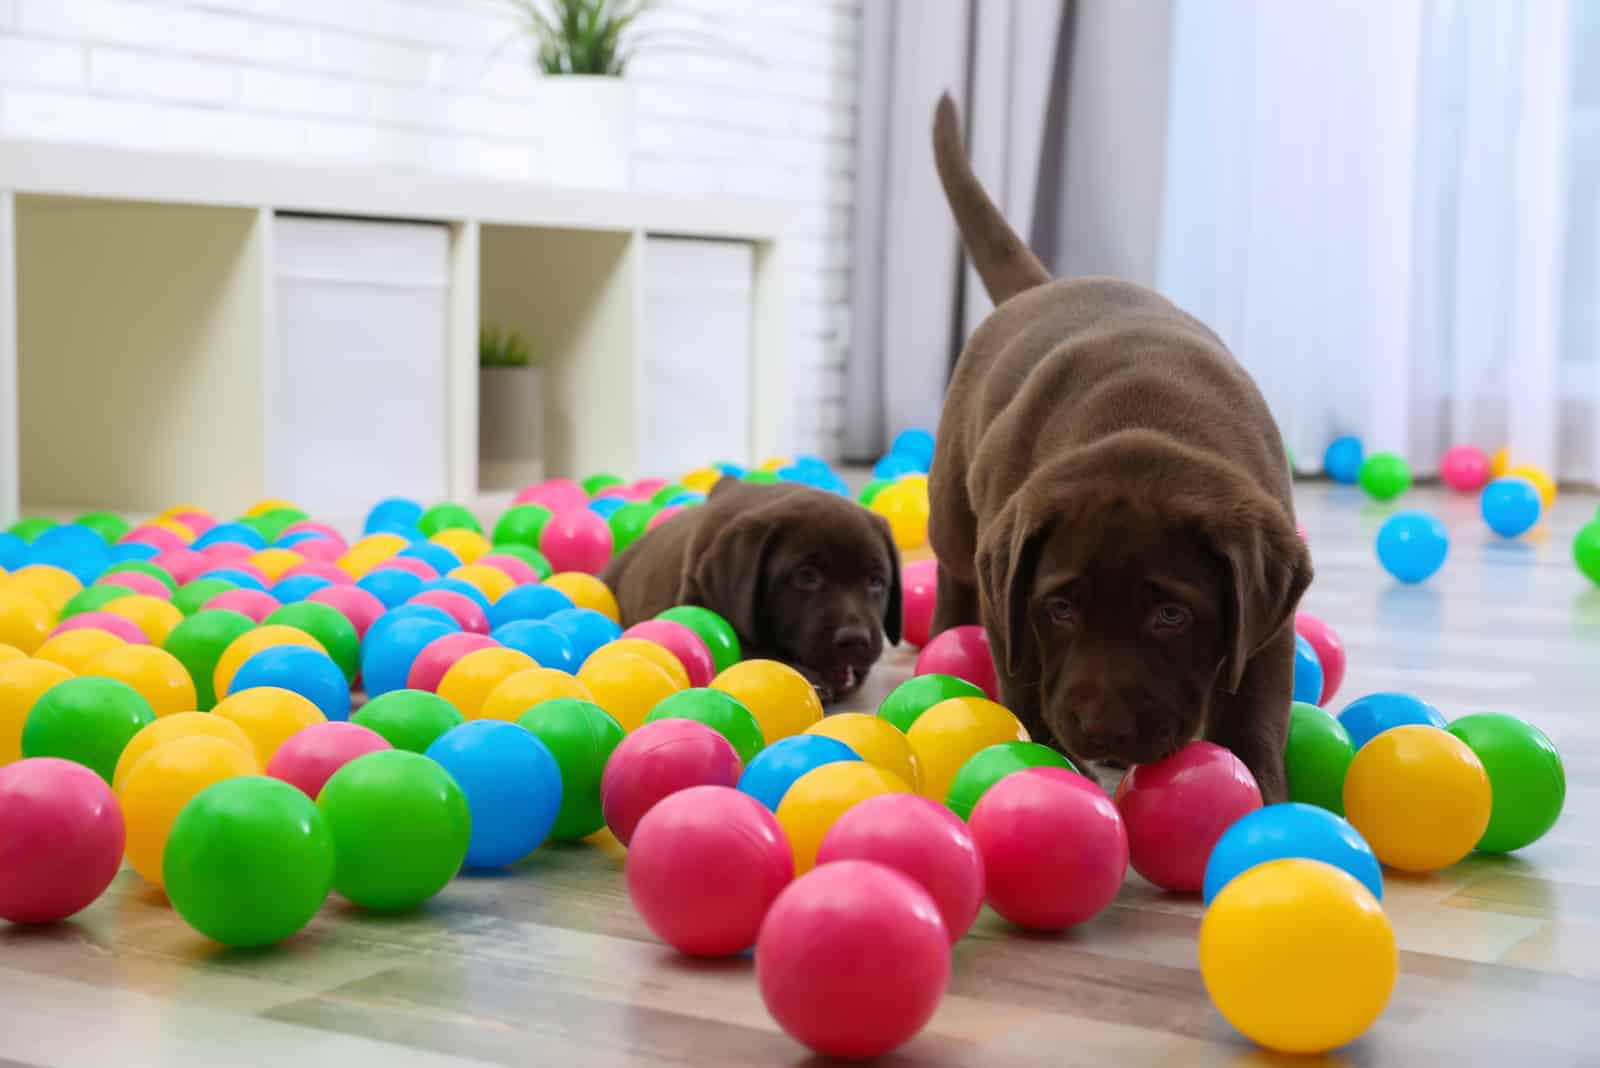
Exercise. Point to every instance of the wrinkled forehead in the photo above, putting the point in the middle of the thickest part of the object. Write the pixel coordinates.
(1124, 546)
(837, 544)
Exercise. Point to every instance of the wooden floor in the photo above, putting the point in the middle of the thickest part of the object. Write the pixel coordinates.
(549, 965)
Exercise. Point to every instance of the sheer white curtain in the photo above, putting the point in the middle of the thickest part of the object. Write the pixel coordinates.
(1389, 212)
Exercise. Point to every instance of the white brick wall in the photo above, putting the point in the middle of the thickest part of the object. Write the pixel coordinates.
(443, 83)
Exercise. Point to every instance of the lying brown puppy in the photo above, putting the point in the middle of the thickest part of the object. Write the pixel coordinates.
(805, 576)
(1110, 500)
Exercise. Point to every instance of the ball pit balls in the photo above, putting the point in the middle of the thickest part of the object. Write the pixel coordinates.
(63, 839)
(193, 596)
(357, 606)
(22, 683)
(269, 717)
(165, 780)
(1419, 796)
(905, 509)
(952, 732)
(783, 701)
(1308, 679)
(1055, 849)
(1279, 832)
(446, 516)
(719, 711)
(199, 643)
(103, 621)
(656, 654)
(393, 514)
(312, 755)
(818, 798)
(629, 687)
(9, 653)
(1298, 956)
(465, 589)
(964, 653)
(684, 644)
(411, 720)
(777, 767)
(85, 720)
(307, 672)
(74, 649)
(158, 676)
(1177, 808)
(1510, 506)
(1329, 651)
(1412, 546)
(391, 585)
(536, 602)
(1316, 758)
(1367, 717)
(704, 868)
(465, 545)
(587, 592)
(586, 629)
(919, 693)
(853, 959)
(1586, 550)
(629, 523)
(490, 581)
(24, 620)
(441, 654)
(519, 571)
(522, 524)
(1528, 784)
(1342, 461)
(394, 642)
(526, 689)
(333, 632)
(1464, 469)
(472, 678)
(919, 581)
(256, 604)
(991, 764)
(512, 785)
(657, 760)
(1539, 478)
(248, 645)
(581, 737)
(108, 525)
(577, 541)
(876, 741)
(52, 586)
(718, 634)
(93, 598)
(423, 557)
(132, 582)
(1384, 476)
(294, 590)
(171, 728)
(557, 494)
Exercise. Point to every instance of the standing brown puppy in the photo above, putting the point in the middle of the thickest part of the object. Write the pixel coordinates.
(1110, 500)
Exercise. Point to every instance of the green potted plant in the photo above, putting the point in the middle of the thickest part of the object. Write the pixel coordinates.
(510, 409)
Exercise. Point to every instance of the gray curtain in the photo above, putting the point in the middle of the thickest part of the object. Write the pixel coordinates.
(1065, 106)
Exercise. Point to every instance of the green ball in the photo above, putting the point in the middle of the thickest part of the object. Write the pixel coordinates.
(919, 693)
(192, 596)
(248, 862)
(1288, 455)
(764, 477)
(28, 529)
(447, 517)
(599, 483)
(1316, 758)
(716, 632)
(721, 712)
(93, 598)
(336, 634)
(532, 557)
(145, 567)
(1526, 778)
(1586, 550)
(1384, 476)
(86, 720)
(581, 737)
(410, 720)
(400, 828)
(629, 523)
(870, 491)
(666, 493)
(989, 765)
(522, 524)
(199, 642)
(108, 525)
(272, 524)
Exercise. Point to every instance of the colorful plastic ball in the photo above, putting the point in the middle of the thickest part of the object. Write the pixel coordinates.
(249, 644)
(393, 514)
(231, 532)
(256, 604)
(156, 674)
(919, 693)
(1384, 476)
(577, 541)
(85, 720)
(905, 509)
(116, 626)
(586, 629)
(1054, 847)
(914, 443)
(467, 613)
(1298, 956)
(9, 653)
(180, 725)
(532, 557)
(1342, 461)
(157, 537)
(919, 583)
(1586, 550)
(331, 630)
(74, 649)
(760, 477)
(1279, 832)
(990, 765)
(581, 736)
(718, 634)
(684, 644)
(557, 494)
(489, 581)
(767, 778)
(892, 466)
(22, 684)
(24, 620)
(298, 588)
(656, 654)
(952, 732)
(629, 687)
(876, 741)
(1419, 796)
(783, 701)
(1308, 677)
(307, 672)
(360, 608)
(145, 568)
(166, 779)
(153, 615)
(658, 760)
(199, 644)
(522, 691)
(964, 653)
(512, 785)
(853, 959)
(93, 598)
(408, 719)
(1540, 479)
(1317, 757)
(588, 593)
(721, 712)
(629, 523)
(1177, 808)
(816, 800)
(440, 655)
(513, 567)
(1510, 506)
(13, 552)
(533, 602)
(1464, 469)
(522, 524)
(192, 597)
(870, 491)
(543, 642)
(431, 554)
(61, 839)
(470, 680)
(391, 648)
(465, 589)
(391, 585)
(447, 516)
(1367, 717)
(269, 716)
(412, 566)
(606, 507)
(108, 525)
(1527, 781)
(1329, 651)
(1412, 546)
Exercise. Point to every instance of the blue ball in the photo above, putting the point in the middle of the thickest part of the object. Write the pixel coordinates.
(917, 444)
(1343, 460)
(125, 550)
(389, 648)
(731, 470)
(605, 507)
(437, 557)
(1367, 717)
(289, 541)
(237, 577)
(391, 585)
(298, 588)
(1292, 830)
(586, 629)
(1510, 506)
(1307, 672)
(533, 601)
(461, 586)
(14, 552)
(775, 769)
(396, 514)
(895, 465)
(70, 538)
(233, 532)
(545, 642)
(311, 673)
(687, 500)
(513, 788)
(1412, 545)
(73, 548)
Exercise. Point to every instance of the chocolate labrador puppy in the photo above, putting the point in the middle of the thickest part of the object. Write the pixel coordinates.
(1110, 500)
(805, 576)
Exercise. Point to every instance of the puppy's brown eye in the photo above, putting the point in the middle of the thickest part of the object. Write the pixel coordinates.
(1170, 617)
(806, 578)
(1061, 612)
(876, 584)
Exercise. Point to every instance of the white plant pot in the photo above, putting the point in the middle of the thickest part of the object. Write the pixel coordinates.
(586, 122)
(510, 427)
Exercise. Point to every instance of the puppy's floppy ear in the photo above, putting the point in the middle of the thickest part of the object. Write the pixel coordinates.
(1007, 557)
(893, 613)
(725, 571)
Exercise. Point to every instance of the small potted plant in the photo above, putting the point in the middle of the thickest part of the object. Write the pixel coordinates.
(510, 410)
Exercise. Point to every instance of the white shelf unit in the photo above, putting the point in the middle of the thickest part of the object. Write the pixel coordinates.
(137, 294)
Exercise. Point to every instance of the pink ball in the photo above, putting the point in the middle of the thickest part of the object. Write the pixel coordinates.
(704, 866)
(557, 494)
(577, 541)
(161, 538)
(518, 571)
(361, 608)
(662, 516)
(198, 522)
(1054, 847)
(61, 839)
(323, 549)
(440, 655)
(1329, 649)
(184, 565)
(853, 959)
(1177, 808)
(138, 582)
(311, 755)
(658, 760)
(682, 643)
(321, 530)
(227, 553)
(106, 621)
(647, 487)
(919, 583)
(964, 653)
(922, 840)
(256, 604)
(321, 569)
(420, 568)
(1465, 468)
(458, 606)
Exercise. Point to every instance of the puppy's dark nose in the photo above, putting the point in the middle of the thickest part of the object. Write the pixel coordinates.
(853, 641)
(1106, 732)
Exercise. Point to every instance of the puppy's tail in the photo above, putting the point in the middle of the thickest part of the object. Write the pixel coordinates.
(1004, 261)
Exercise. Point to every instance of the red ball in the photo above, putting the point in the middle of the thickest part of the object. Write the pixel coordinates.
(964, 653)
(922, 840)
(853, 959)
(440, 655)
(106, 621)
(658, 760)
(321, 569)
(560, 495)
(577, 541)
(1053, 845)
(919, 583)
(682, 643)
(61, 839)
(1465, 469)
(311, 755)
(704, 866)
(361, 608)
(420, 568)
(1177, 808)
(257, 604)
(184, 565)
(468, 613)
(515, 569)
(1329, 649)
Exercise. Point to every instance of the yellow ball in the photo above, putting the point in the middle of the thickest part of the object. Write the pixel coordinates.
(628, 687)
(24, 620)
(819, 797)
(586, 591)
(369, 552)
(171, 728)
(1419, 797)
(920, 482)
(9, 653)
(489, 581)
(270, 504)
(182, 509)
(520, 692)
(159, 676)
(1540, 479)
(701, 479)
(172, 526)
(268, 716)
(51, 585)
(782, 700)
(1298, 956)
(656, 654)
(274, 562)
(22, 682)
(470, 680)
(906, 508)
(468, 545)
(166, 779)
(74, 649)
(252, 642)
(150, 614)
(775, 464)
(1500, 461)
(875, 740)
(950, 733)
